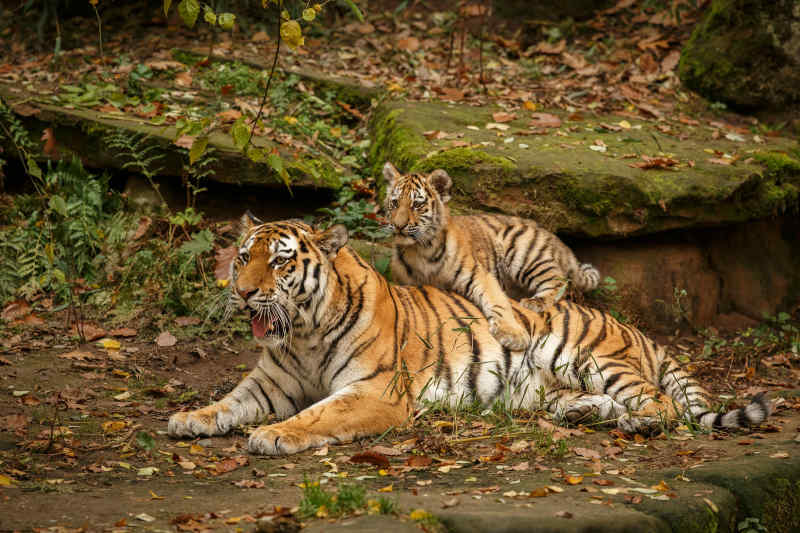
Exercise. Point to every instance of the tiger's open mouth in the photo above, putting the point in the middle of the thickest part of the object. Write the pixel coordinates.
(267, 324)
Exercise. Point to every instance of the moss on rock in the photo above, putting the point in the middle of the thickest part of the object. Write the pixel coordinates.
(559, 181)
(746, 53)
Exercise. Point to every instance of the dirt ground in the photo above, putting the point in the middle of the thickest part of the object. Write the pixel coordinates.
(83, 447)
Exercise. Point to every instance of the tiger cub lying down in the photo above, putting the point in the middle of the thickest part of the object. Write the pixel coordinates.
(481, 257)
(347, 355)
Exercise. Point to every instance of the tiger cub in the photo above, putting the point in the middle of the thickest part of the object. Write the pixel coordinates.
(485, 258)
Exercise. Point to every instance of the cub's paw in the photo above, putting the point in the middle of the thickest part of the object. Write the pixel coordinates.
(535, 304)
(272, 440)
(509, 334)
(207, 421)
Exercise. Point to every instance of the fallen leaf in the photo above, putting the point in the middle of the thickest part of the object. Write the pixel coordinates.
(144, 517)
(370, 457)
(540, 492)
(123, 332)
(496, 126)
(185, 141)
(419, 461)
(15, 310)
(385, 450)
(109, 344)
(780, 455)
(166, 339)
(90, 332)
(50, 148)
(409, 44)
(547, 48)
(184, 321)
(502, 116)
(564, 514)
(545, 120)
(573, 480)
(77, 355)
(387, 488)
(720, 161)
(183, 79)
(147, 471)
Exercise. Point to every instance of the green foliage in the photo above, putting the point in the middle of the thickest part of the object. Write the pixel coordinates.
(57, 236)
(346, 500)
(751, 525)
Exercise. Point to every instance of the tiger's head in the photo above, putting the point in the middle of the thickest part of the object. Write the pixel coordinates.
(280, 269)
(415, 204)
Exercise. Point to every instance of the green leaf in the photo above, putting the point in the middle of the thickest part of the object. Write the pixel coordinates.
(167, 3)
(188, 10)
(354, 8)
(198, 149)
(226, 20)
(209, 16)
(240, 133)
(59, 205)
(145, 441)
(291, 34)
(275, 161)
(202, 242)
(33, 168)
(309, 14)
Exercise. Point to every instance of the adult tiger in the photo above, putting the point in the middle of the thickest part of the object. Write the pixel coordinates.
(485, 258)
(348, 355)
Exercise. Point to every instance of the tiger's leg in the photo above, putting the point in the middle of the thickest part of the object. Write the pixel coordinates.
(253, 399)
(346, 415)
(485, 291)
(401, 274)
(576, 406)
(546, 283)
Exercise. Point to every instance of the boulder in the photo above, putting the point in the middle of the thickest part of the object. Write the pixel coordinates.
(746, 53)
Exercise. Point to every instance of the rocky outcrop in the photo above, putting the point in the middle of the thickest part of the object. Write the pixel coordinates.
(746, 53)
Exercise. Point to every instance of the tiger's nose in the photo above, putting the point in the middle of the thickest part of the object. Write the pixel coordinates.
(246, 293)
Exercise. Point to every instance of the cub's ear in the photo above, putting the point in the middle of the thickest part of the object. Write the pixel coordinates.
(390, 173)
(441, 181)
(248, 222)
(330, 240)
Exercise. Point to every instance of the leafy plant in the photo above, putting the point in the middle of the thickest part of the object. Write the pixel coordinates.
(346, 500)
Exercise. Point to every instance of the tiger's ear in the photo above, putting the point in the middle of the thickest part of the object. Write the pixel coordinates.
(441, 181)
(390, 174)
(248, 222)
(330, 240)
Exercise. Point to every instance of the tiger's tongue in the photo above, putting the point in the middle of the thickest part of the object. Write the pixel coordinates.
(260, 326)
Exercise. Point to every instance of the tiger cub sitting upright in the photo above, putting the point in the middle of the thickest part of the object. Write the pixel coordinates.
(485, 258)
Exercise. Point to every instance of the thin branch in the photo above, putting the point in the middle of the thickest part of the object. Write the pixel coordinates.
(266, 89)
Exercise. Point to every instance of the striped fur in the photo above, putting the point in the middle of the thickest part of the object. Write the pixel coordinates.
(347, 355)
(485, 258)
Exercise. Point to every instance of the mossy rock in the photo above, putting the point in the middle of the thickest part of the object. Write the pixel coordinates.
(557, 179)
(82, 131)
(746, 53)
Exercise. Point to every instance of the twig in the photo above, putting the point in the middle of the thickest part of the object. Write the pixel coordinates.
(266, 89)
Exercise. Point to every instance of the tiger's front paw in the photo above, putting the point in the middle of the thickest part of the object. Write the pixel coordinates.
(208, 421)
(274, 440)
(509, 333)
(535, 304)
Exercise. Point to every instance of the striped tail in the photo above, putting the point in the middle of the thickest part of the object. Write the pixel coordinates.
(696, 401)
(586, 277)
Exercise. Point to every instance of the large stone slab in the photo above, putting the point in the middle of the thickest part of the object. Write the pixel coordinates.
(557, 179)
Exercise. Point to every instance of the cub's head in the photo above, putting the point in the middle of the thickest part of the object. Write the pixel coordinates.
(415, 204)
(280, 268)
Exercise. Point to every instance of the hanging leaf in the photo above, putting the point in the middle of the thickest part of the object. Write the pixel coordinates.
(354, 8)
(188, 10)
(33, 168)
(292, 34)
(209, 16)
(198, 149)
(59, 205)
(309, 14)
(240, 133)
(167, 3)
(275, 161)
(226, 20)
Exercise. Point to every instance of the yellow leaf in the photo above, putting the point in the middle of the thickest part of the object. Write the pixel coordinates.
(383, 472)
(530, 106)
(624, 124)
(395, 87)
(419, 514)
(387, 488)
(109, 344)
(222, 283)
(662, 487)
(291, 34)
(573, 480)
(290, 120)
(121, 373)
(309, 14)
(93, 2)
(154, 496)
(322, 512)
(6, 481)
(112, 426)
(317, 8)
(196, 449)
